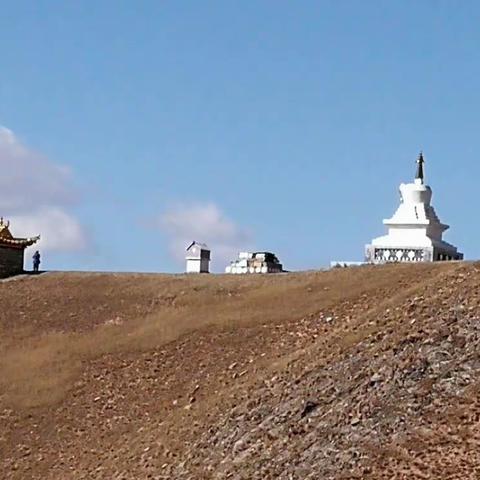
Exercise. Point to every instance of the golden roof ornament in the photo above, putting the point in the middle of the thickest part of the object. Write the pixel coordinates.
(4, 229)
(3, 223)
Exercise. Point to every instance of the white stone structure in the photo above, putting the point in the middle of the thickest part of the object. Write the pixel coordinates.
(414, 232)
(256, 262)
(198, 258)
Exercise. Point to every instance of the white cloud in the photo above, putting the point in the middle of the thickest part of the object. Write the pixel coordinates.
(28, 177)
(35, 195)
(206, 223)
(59, 230)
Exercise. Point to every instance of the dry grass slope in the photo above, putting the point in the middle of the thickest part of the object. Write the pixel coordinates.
(352, 373)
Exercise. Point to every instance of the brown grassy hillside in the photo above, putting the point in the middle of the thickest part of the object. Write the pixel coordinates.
(353, 373)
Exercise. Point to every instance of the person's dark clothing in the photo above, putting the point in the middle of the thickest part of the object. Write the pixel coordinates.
(36, 261)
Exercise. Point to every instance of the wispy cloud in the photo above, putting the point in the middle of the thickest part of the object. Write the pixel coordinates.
(60, 230)
(37, 195)
(204, 222)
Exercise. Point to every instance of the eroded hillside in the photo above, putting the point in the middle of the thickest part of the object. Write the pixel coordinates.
(368, 372)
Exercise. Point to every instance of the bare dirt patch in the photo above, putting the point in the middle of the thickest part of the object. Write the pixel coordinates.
(313, 375)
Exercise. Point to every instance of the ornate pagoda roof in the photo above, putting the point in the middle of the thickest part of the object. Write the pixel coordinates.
(8, 240)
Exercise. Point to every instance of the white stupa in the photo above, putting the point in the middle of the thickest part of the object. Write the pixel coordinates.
(414, 232)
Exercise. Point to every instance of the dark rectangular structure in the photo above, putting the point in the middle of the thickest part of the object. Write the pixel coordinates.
(11, 261)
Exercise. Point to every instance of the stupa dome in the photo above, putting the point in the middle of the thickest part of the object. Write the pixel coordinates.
(415, 193)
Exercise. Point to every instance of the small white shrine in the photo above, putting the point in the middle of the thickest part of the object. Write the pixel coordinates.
(414, 232)
(197, 258)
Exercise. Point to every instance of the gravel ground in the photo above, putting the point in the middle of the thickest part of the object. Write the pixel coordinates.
(349, 374)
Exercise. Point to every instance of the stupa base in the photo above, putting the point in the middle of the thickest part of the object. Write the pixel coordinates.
(388, 254)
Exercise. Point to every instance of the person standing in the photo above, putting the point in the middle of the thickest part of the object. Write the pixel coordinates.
(36, 261)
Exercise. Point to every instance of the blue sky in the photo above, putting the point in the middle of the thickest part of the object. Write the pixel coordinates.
(277, 125)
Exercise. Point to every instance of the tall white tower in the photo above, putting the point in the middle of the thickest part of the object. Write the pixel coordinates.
(414, 232)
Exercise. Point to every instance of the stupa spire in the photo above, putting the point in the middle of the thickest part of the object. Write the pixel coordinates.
(420, 175)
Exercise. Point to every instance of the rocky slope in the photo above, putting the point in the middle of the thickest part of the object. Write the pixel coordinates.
(353, 373)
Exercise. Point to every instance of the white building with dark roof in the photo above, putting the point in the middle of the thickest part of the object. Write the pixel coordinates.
(197, 258)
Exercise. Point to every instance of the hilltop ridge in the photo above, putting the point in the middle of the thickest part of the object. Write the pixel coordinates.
(368, 372)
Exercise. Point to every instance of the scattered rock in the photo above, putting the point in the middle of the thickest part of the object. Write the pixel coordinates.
(308, 408)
